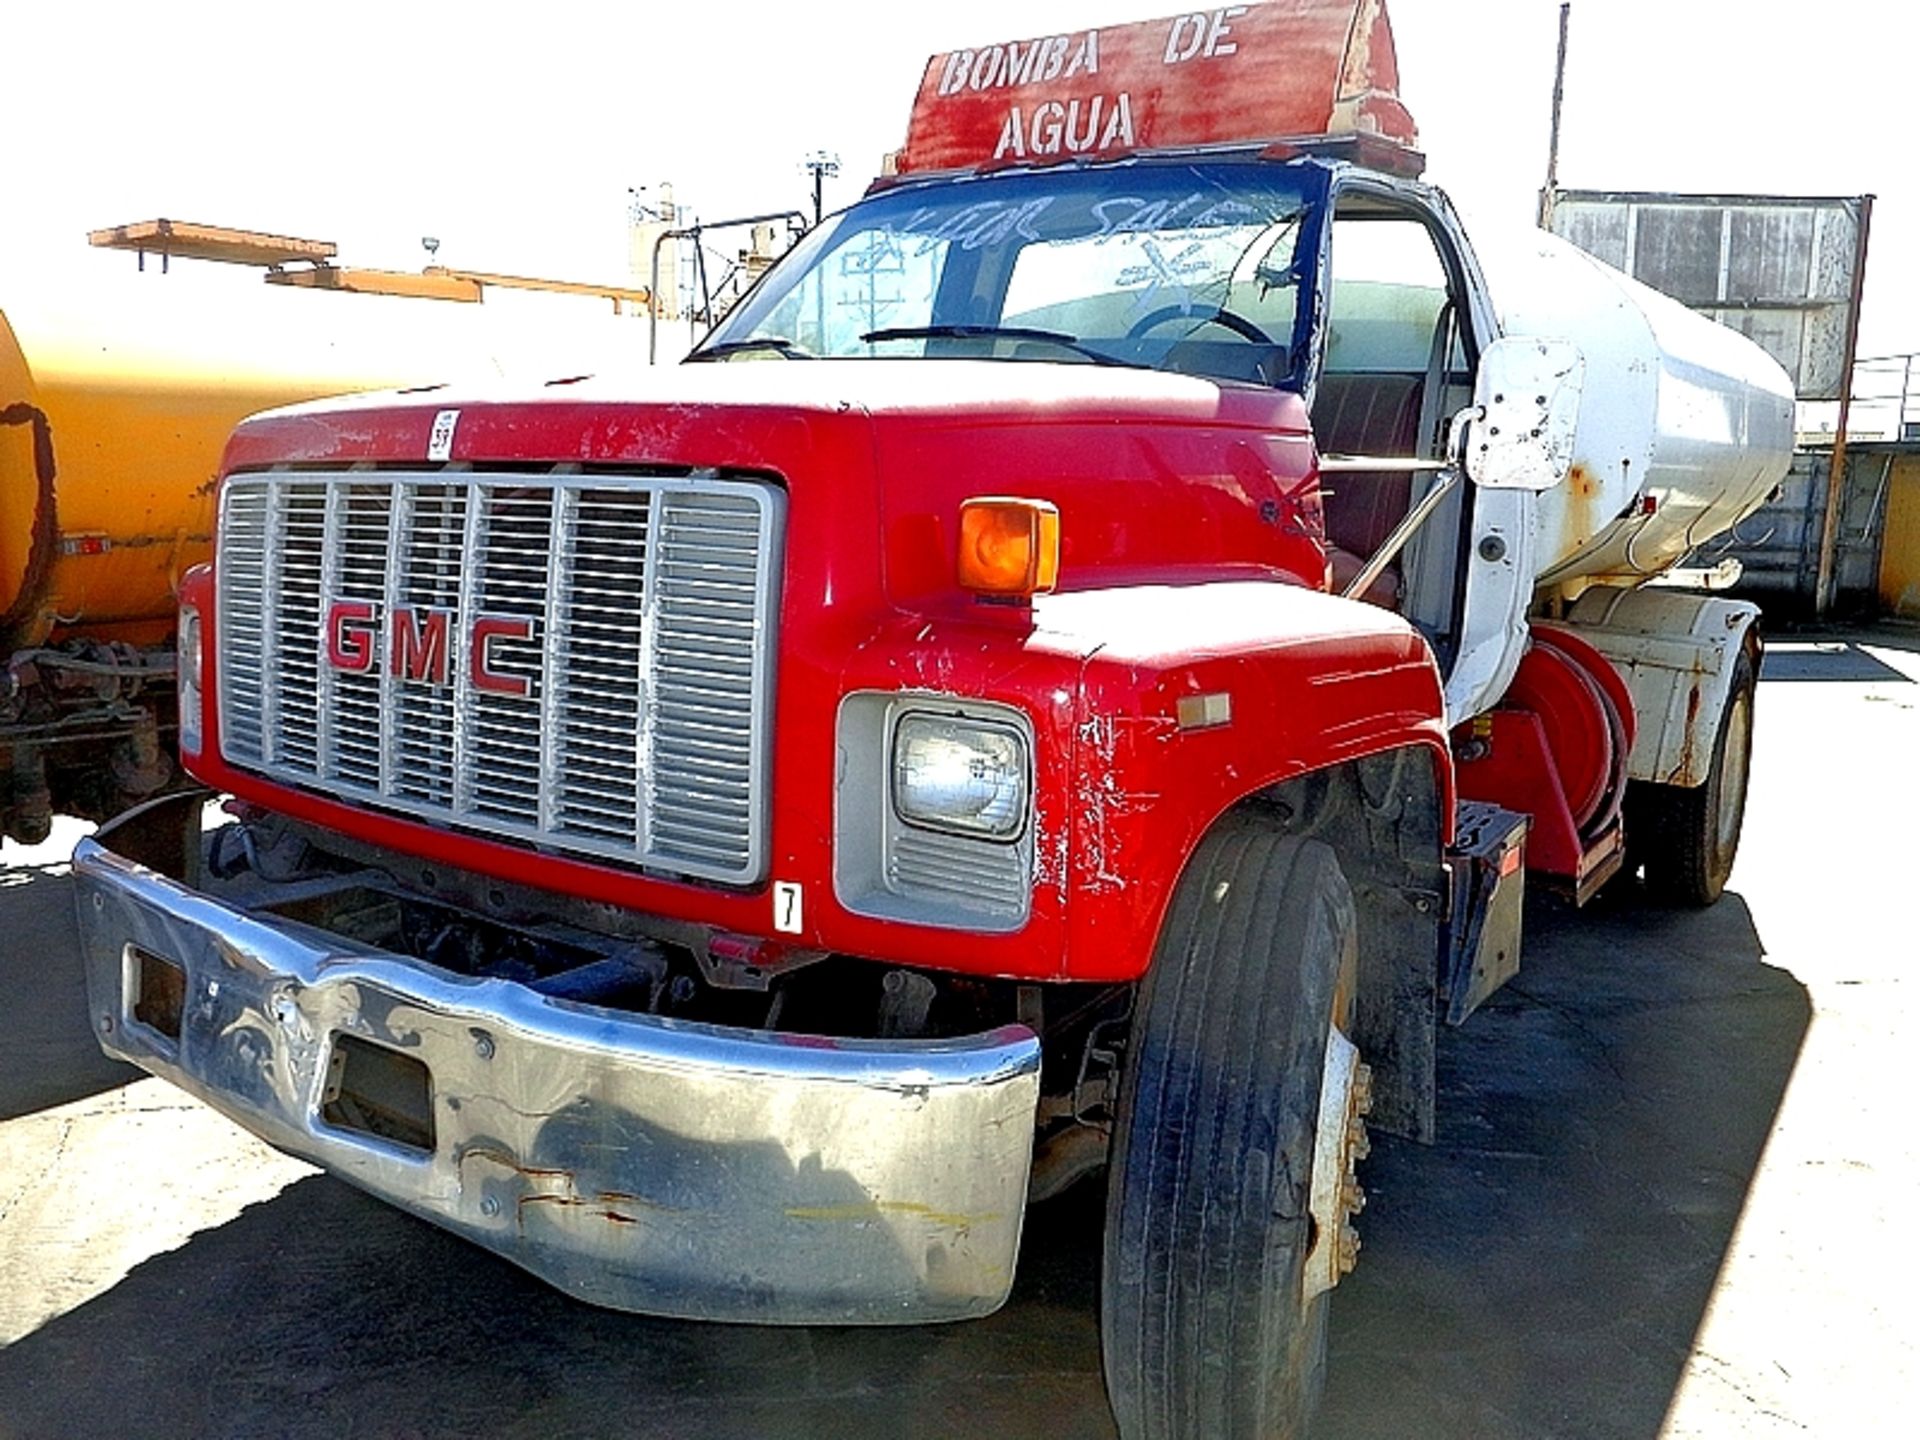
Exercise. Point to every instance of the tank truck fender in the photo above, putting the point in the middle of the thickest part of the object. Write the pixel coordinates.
(1677, 653)
(1322, 716)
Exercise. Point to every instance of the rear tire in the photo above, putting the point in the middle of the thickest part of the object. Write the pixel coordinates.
(1687, 838)
(1205, 1335)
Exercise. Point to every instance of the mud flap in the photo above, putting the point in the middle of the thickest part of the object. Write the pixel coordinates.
(1489, 858)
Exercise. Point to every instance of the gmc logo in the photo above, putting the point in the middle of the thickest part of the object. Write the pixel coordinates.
(419, 645)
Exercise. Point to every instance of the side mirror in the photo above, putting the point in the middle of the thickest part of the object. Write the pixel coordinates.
(1528, 392)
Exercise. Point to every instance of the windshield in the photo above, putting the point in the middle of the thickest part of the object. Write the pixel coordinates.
(1195, 267)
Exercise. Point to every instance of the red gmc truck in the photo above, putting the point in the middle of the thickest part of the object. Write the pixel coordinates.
(1070, 679)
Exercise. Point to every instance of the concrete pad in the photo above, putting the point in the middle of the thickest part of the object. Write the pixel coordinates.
(97, 1186)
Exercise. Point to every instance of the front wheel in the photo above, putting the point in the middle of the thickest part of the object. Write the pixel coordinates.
(1213, 1304)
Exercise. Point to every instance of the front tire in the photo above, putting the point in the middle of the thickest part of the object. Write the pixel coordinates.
(1206, 1332)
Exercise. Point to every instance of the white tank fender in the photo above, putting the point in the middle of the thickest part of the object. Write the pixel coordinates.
(1676, 652)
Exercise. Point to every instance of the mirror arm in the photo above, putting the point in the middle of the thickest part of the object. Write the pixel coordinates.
(1379, 465)
(1411, 522)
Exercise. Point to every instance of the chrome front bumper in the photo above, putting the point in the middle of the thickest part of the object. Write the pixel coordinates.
(640, 1163)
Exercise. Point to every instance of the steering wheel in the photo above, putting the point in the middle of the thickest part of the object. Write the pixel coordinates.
(1226, 319)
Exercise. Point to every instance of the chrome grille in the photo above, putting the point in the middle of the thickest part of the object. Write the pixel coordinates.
(618, 707)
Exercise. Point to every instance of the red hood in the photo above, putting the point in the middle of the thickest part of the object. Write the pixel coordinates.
(1158, 476)
(878, 387)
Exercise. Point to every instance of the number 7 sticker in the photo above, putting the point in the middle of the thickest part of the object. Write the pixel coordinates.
(786, 907)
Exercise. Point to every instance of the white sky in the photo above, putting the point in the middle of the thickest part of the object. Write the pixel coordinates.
(512, 133)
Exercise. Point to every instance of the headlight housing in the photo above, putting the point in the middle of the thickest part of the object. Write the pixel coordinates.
(189, 658)
(962, 776)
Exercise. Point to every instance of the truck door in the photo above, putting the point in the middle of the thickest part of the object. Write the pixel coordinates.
(1405, 318)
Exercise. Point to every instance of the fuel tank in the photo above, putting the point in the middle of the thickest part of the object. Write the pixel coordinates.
(116, 402)
(1685, 425)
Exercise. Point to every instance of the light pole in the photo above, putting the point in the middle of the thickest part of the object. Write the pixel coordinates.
(1551, 189)
(820, 164)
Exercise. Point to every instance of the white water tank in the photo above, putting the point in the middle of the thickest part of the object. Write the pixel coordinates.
(1685, 426)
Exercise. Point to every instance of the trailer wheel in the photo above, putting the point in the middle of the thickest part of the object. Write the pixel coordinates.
(1687, 837)
(1208, 1330)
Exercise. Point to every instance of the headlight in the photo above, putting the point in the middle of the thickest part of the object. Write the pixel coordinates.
(960, 775)
(189, 679)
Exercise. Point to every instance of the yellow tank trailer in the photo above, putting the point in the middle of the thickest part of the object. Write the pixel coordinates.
(115, 404)
(112, 422)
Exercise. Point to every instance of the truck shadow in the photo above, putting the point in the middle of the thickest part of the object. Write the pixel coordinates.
(1540, 1271)
(47, 1051)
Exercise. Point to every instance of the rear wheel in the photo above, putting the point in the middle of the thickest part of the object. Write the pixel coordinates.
(1687, 838)
(1213, 1306)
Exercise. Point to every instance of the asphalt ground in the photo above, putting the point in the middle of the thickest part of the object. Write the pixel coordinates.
(1670, 1197)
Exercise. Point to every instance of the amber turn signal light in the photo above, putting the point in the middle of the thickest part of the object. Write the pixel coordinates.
(1008, 546)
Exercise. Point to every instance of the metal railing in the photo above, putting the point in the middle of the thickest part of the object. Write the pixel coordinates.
(1886, 398)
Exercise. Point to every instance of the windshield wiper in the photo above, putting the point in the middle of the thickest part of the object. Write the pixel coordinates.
(996, 332)
(779, 344)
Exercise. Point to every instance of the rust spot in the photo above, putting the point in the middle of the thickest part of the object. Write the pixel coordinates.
(501, 1157)
(632, 1202)
(43, 535)
(564, 1193)
(520, 1207)
(1686, 736)
(1583, 488)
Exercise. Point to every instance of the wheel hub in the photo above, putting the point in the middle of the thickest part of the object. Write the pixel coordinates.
(1340, 1144)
